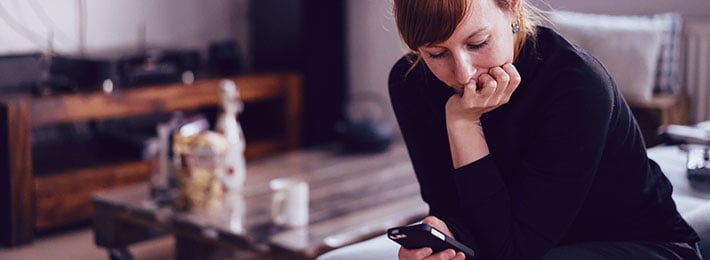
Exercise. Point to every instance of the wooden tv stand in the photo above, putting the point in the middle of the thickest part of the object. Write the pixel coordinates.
(32, 201)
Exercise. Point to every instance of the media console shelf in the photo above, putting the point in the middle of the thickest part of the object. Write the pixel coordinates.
(662, 109)
(30, 201)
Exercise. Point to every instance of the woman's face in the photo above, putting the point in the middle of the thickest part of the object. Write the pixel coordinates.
(484, 39)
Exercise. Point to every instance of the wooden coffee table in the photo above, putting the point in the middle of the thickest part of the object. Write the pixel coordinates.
(352, 198)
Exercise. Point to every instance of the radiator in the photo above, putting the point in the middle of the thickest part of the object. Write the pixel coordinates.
(697, 69)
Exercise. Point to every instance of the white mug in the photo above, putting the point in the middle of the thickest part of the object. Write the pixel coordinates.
(289, 203)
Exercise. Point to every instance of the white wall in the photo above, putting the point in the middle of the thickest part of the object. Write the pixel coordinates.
(373, 47)
(25, 25)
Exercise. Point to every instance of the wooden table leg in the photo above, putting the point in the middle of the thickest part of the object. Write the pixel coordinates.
(16, 181)
(189, 249)
(116, 234)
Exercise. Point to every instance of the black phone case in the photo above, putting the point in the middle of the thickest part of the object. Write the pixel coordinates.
(423, 235)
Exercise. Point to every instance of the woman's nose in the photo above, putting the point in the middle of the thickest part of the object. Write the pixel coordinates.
(464, 70)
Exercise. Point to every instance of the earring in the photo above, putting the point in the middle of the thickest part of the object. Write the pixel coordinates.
(516, 27)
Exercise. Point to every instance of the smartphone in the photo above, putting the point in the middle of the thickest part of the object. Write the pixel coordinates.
(423, 235)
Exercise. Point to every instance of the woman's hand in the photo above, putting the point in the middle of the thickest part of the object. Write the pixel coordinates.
(488, 92)
(464, 111)
(426, 253)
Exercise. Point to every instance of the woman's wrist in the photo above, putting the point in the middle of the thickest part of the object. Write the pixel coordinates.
(466, 141)
(463, 123)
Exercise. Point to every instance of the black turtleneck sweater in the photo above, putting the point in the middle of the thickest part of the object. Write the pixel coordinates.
(567, 162)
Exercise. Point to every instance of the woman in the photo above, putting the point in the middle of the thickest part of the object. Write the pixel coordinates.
(521, 143)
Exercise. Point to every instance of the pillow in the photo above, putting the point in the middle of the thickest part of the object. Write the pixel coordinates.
(627, 46)
(668, 70)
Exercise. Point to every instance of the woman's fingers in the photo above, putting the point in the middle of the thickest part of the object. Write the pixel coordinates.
(470, 90)
(447, 254)
(438, 224)
(514, 76)
(460, 256)
(419, 253)
(504, 82)
(501, 77)
(488, 92)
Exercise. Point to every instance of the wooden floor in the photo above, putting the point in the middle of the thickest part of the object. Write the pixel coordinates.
(78, 244)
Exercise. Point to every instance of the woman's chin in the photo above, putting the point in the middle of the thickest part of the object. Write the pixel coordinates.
(457, 89)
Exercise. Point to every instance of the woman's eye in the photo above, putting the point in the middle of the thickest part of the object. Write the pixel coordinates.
(477, 45)
(436, 55)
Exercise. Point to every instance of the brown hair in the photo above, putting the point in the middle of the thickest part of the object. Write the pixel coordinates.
(422, 22)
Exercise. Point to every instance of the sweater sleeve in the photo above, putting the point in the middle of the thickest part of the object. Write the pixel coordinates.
(533, 212)
(424, 135)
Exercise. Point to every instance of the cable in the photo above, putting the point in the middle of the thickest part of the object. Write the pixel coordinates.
(21, 29)
(82, 26)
